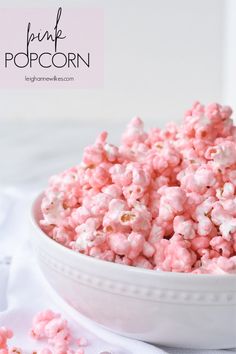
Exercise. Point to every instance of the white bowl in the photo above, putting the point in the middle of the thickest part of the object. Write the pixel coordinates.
(173, 309)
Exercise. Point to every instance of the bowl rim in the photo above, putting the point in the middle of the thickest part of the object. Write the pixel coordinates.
(122, 267)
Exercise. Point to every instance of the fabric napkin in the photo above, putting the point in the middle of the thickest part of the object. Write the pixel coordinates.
(24, 291)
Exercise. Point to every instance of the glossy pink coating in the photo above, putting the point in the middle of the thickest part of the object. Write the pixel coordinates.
(162, 200)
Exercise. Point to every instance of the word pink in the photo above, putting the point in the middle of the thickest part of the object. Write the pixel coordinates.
(162, 200)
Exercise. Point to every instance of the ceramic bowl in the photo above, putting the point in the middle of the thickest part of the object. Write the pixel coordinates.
(172, 309)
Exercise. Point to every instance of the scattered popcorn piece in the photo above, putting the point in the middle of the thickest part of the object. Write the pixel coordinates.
(45, 351)
(40, 321)
(80, 351)
(15, 350)
(82, 342)
(56, 331)
(3, 351)
(5, 334)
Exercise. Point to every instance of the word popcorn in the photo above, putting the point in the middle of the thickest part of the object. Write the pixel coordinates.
(163, 200)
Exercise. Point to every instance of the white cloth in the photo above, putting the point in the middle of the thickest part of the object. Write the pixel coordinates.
(24, 291)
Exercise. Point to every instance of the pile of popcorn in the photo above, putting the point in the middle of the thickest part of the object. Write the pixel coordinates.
(163, 200)
(48, 327)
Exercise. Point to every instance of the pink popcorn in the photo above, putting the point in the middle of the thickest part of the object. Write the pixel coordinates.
(123, 260)
(114, 191)
(98, 177)
(184, 227)
(136, 242)
(200, 245)
(197, 181)
(218, 113)
(45, 351)
(94, 155)
(157, 232)
(82, 342)
(62, 235)
(140, 176)
(171, 202)
(177, 256)
(56, 326)
(148, 250)
(15, 350)
(226, 223)
(53, 329)
(52, 207)
(40, 321)
(79, 351)
(224, 247)
(161, 200)
(204, 226)
(222, 155)
(137, 219)
(134, 133)
(56, 331)
(133, 193)
(5, 334)
(119, 243)
(142, 262)
(164, 156)
(226, 192)
(121, 175)
(79, 216)
(218, 265)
